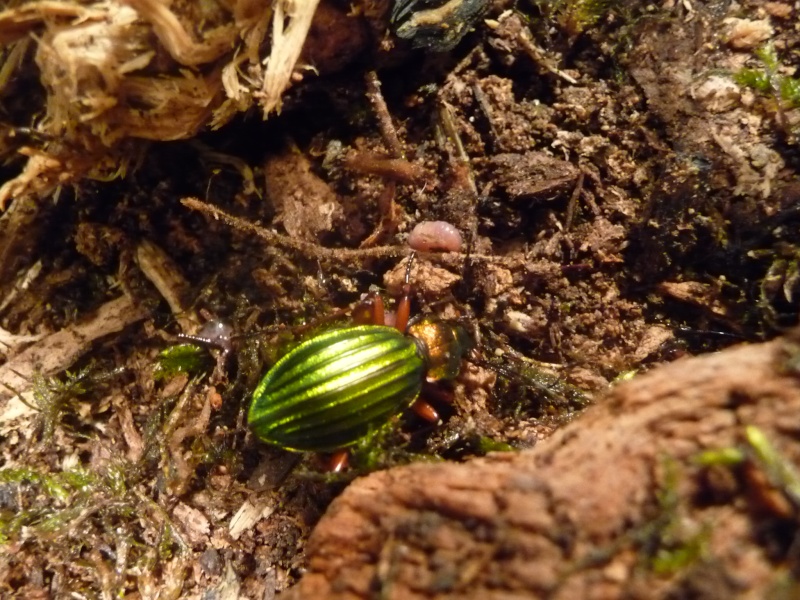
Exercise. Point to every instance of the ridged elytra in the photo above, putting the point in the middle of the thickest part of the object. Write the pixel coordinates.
(336, 388)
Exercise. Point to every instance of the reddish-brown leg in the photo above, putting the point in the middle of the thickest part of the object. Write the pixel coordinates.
(435, 392)
(378, 313)
(370, 312)
(426, 411)
(403, 310)
(338, 461)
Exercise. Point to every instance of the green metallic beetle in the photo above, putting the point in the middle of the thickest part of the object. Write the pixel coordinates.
(336, 388)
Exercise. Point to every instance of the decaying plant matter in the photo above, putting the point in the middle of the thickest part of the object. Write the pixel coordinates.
(117, 71)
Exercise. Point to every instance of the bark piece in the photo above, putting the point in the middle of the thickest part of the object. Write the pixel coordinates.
(59, 350)
(533, 175)
(573, 518)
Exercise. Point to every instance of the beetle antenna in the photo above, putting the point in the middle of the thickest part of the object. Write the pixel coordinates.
(407, 278)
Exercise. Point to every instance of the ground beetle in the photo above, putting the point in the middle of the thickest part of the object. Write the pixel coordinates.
(335, 389)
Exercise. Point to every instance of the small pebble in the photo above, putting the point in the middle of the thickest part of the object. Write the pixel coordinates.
(211, 562)
(432, 236)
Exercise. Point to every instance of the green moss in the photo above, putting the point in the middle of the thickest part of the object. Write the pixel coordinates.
(528, 384)
(769, 57)
(779, 470)
(668, 561)
(57, 395)
(790, 90)
(576, 16)
(755, 79)
(676, 548)
(59, 498)
(726, 457)
(767, 79)
(381, 449)
(183, 358)
(59, 486)
(52, 397)
(759, 451)
(486, 445)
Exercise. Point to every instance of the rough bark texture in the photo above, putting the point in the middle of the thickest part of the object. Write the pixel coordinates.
(523, 525)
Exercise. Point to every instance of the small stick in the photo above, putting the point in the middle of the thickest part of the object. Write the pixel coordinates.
(486, 108)
(389, 218)
(332, 254)
(389, 133)
(396, 169)
(461, 157)
(573, 202)
(538, 56)
(297, 245)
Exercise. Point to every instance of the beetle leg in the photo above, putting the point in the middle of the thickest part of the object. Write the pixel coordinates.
(338, 461)
(426, 411)
(403, 310)
(437, 393)
(370, 312)
(378, 314)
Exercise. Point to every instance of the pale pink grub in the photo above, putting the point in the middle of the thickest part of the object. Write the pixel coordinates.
(433, 236)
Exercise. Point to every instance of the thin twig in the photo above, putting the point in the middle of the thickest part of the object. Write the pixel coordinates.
(332, 254)
(538, 56)
(389, 219)
(486, 108)
(388, 132)
(457, 152)
(294, 244)
(573, 202)
(396, 169)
